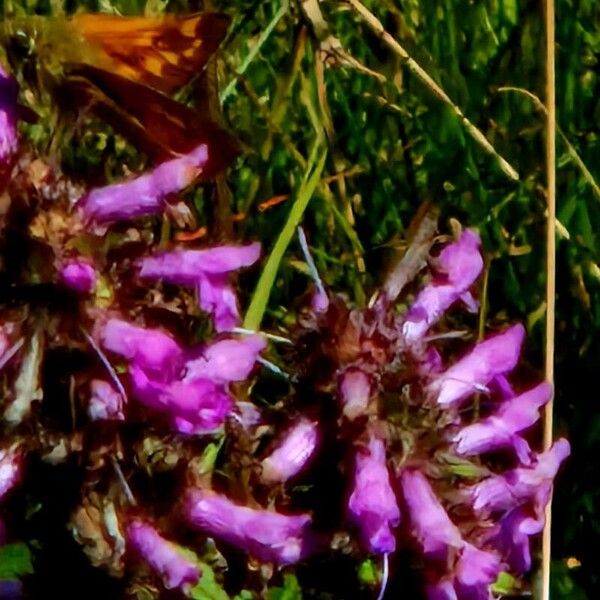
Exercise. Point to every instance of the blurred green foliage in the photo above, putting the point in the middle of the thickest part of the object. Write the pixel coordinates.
(293, 77)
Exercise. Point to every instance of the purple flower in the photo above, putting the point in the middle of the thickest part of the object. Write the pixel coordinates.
(511, 536)
(105, 402)
(208, 270)
(474, 572)
(354, 393)
(501, 493)
(146, 194)
(292, 453)
(430, 524)
(488, 359)
(372, 505)
(78, 275)
(11, 469)
(196, 406)
(150, 349)
(459, 265)
(163, 556)
(266, 535)
(499, 430)
(9, 139)
(226, 360)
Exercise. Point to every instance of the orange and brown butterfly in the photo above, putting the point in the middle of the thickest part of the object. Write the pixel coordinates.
(122, 69)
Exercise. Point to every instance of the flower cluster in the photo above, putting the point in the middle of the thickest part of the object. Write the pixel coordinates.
(467, 525)
(414, 425)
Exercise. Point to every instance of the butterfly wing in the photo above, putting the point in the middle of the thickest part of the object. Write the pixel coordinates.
(163, 52)
(153, 122)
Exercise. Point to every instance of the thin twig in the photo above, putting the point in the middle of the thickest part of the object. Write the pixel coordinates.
(550, 268)
(413, 66)
(571, 151)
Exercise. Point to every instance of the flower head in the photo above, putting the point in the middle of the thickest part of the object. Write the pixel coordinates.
(208, 270)
(501, 493)
(163, 556)
(146, 194)
(150, 349)
(500, 429)
(193, 406)
(269, 536)
(491, 358)
(372, 505)
(226, 360)
(458, 266)
(354, 393)
(293, 452)
(78, 275)
(430, 524)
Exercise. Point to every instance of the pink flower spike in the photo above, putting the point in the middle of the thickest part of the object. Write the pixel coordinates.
(106, 403)
(476, 570)
(226, 360)
(354, 393)
(372, 505)
(266, 535)
(430, 524)
(458, 265)
(500, 429)
(292, 454)
(162, 556)
(150, 349)
(146, 194)
(78, 275)
(494, 356)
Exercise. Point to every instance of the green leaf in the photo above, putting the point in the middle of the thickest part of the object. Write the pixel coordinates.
(15, 561)
(267, 278)
(368, 572)
(505, 584)
(208, 588)
(290, 590)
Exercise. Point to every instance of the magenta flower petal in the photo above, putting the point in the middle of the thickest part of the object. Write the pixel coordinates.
(106, 403)
(78, 275)
(218, 299)
(488, 359)
(459, 265)
(268, 536)
(354, 393)
(373, 506)
(208, 271)
(9, 138)
(499, 430)
(292, 453)
(185, 267)
(201, 402)
(11, 469)
(226, 360)
(430, 524)
(163, 556)
(475, 571)
(501, 493)
(146, 194)
(150, 349)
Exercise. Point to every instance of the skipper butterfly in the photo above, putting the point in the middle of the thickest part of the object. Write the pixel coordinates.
(122, 69)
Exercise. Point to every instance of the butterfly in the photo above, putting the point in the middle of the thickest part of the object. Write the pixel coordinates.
(122, 69)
